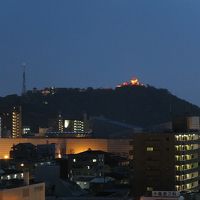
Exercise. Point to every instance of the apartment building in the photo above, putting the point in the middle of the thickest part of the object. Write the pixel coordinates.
(165, 162)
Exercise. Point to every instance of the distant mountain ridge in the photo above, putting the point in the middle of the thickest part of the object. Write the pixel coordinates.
(137, 105)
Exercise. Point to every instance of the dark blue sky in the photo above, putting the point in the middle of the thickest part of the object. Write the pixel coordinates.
(81, 43)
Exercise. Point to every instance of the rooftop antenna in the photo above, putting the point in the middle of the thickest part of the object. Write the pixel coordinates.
(24, 78)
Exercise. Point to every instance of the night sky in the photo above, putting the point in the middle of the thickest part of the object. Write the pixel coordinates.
(82, 43)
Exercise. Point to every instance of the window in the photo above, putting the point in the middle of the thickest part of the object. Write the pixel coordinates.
(149, 189)
(149, 148)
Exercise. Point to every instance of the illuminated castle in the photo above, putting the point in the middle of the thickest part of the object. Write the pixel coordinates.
(133, 82)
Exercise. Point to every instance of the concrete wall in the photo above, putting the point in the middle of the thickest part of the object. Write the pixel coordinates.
(29, 192)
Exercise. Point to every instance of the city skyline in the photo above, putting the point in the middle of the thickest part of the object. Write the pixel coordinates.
(100, 44)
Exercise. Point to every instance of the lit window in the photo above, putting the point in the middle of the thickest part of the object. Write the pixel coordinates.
(149, 148)
(149, 189)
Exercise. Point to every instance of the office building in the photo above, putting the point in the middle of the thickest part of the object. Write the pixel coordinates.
(26, 130)
(76, 126)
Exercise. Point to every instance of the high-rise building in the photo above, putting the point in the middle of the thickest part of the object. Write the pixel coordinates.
(165, 162)
(6, 124)
(60, 123)
(77, 126)
(16, 122)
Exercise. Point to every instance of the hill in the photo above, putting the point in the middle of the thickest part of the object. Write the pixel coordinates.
(136, 105)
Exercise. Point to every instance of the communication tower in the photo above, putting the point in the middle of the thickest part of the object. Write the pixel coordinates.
(24, 78)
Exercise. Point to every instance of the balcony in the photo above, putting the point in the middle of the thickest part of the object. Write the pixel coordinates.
(189, 161)
(187, 171)
(182, 182)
